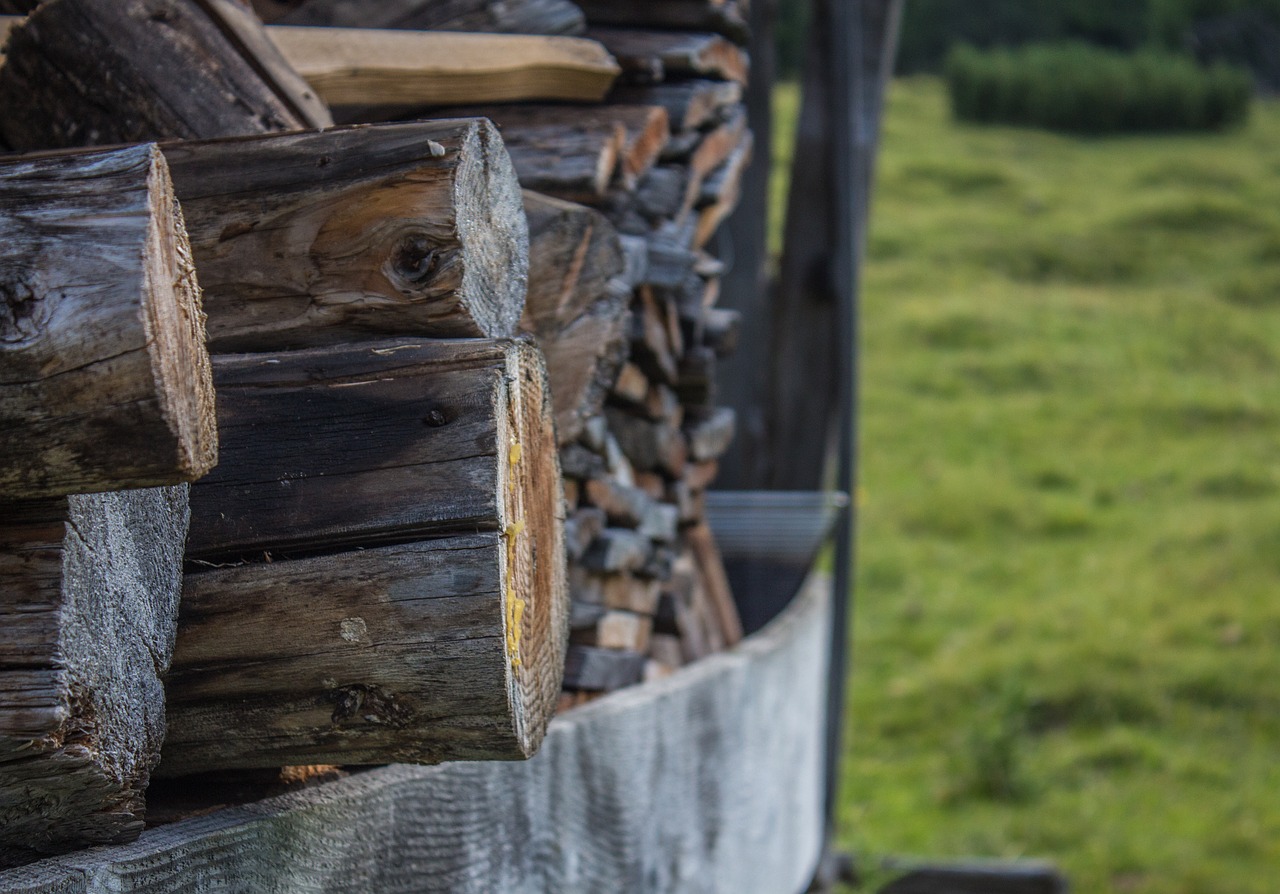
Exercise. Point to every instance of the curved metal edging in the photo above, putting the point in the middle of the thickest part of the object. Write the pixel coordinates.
(710, 780)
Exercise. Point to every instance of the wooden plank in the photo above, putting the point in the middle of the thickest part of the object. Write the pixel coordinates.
(78, 72)
(89, 589)
(488, 16)
(679, 54)
(415, 69)
(381, 441)
(312, 238)
(104, 376)
(449, 649)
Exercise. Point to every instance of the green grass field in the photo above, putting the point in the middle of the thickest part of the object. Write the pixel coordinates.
(1067, 639)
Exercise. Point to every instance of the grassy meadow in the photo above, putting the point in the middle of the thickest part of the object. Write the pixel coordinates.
(1067, 634)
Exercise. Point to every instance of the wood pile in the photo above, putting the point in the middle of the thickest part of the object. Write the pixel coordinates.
(461, 395)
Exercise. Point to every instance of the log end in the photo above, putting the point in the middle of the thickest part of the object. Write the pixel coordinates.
(493, 232)
(536, 621)
(175, 323)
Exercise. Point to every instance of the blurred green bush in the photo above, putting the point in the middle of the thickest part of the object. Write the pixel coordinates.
(1088, 89)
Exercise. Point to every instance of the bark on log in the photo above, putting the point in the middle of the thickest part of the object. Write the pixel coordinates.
(407, 648)
(80, 72)
(378, 442)
(488, 16)
(674, 53)
(413, 69)
(311, 238)
(104, 377)
(89, 589)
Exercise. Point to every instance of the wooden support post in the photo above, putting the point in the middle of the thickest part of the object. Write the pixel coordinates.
(409, 502)
(89, 590)
(104, 377)
(311, 238)
(81, 72)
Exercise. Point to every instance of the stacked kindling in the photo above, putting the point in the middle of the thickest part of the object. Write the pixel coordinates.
(376, 567)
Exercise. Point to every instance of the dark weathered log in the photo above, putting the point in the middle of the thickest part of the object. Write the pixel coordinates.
(446, 649)
(89, 589)
(412, 69)
(544, 138)
(656, 446)
(573, 253)
(310, 238)
(690, 105)
(580, 463)
(721, 16)
(80, 72)
(604, 670)
(489, 16)
(381, 441)
(104, 377)
(582, 359)
(674, 53)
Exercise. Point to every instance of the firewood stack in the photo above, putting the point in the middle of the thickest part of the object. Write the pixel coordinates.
(376, 568)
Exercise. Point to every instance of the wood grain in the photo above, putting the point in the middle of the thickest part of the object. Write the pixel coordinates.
(488, 16)
(674, 54)
(104, 376)
(313, 238)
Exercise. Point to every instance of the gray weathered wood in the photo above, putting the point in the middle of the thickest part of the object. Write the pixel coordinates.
(621, 798)
(80, 72)
(378, 441)
(489, 16)
(722, 16)
(448, 649)
(89, 590)
(674, 53)
(312, 238)
(104, 376)
(690, 104)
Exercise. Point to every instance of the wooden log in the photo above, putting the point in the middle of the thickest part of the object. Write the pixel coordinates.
(650, 446)
(706, 555)
(573, 253)
(715, 150)
(580, 463)
(721, 16)
(678, 54)
(104, 377)
(651, 338)
(407, 70)
(488, 16)
(626, 592)
(723, 187)
(311, 238)
(710, 437)
(624, 506)
(89, 589)
(622, 630)
(617, 549)
(640, 132)
(582, 359)
(691, 105)
(446, 649)
(80, 72)
(631, 386)
(603, 670)
(377, 442)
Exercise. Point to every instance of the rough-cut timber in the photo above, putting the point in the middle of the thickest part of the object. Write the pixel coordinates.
(346, 446)
(104, 377)
(709, 780)
(679, 54)
(82, 72)
(412, 69)
(488, 16)
(311, 238)
(442, 636)
(89, 590)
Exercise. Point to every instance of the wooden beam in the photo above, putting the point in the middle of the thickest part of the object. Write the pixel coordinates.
(415, 69)
(380, 441)
(311, 238)
(89, 589)
(104, 376)
(79, 72)
(488, 16)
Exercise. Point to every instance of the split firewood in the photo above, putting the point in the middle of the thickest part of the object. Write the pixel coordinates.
(489, 16)
(620, 630)
(406, 70)
(680, 54)
(89, 588)
(80, 72)
(104, 377)
(721, 16)
(710, 437)
(312, 238)
(706, 555)
(602, 670)
(691, 105)
(409, 502)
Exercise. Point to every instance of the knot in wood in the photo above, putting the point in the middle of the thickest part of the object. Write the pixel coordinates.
(435, 419)
(415, 259)
(23, 313)
(359, 704)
